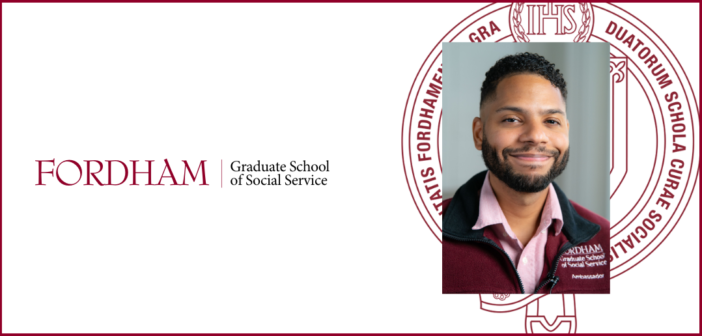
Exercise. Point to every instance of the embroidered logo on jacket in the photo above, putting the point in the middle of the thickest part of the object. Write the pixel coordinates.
(584, 256)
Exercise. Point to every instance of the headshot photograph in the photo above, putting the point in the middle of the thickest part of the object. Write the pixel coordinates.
(526, 163)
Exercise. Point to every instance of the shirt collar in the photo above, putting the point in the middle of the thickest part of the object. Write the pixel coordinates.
(490, 212)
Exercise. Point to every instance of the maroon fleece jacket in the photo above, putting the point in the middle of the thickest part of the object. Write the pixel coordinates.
(576, 261)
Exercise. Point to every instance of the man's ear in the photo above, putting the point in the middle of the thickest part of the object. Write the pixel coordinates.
(478, 133)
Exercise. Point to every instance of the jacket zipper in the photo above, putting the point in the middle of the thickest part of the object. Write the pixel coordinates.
(490, 242)
(551, 277)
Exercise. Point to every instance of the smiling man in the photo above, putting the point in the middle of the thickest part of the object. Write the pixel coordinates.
(511, 229)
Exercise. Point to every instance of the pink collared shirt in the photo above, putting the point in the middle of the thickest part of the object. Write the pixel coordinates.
(529, 259)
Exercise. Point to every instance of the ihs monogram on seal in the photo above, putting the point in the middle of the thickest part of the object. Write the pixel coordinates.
(572, 22)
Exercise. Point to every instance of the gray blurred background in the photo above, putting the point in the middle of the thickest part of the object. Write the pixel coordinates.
(585, 67)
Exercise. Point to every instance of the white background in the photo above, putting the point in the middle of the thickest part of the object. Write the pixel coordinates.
(275, 82)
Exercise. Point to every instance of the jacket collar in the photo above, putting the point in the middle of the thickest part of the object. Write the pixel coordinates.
(462, 214)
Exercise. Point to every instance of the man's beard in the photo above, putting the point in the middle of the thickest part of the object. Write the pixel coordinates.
(522, 183)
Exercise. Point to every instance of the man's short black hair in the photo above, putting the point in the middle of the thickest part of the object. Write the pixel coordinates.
(525, 62)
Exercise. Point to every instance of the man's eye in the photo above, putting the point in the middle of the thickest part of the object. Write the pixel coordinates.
(510, 120)
(553, 122)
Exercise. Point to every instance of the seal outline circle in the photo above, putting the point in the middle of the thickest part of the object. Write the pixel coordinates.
(690, 99)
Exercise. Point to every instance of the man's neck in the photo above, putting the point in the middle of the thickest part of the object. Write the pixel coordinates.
(522, 210)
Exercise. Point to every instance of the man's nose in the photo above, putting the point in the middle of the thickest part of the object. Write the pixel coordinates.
(534, 132)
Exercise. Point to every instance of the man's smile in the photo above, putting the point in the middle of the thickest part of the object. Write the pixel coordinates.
(531, 158)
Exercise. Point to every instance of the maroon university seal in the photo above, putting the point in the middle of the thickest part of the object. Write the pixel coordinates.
(654, 158)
